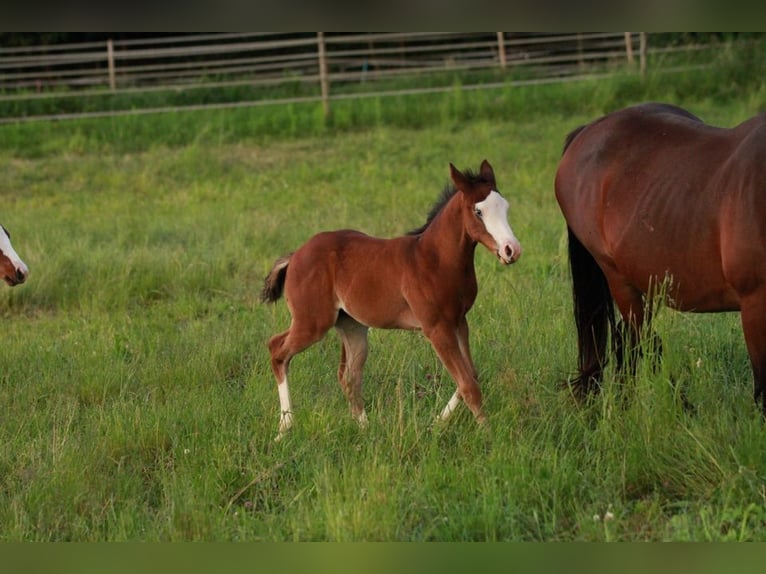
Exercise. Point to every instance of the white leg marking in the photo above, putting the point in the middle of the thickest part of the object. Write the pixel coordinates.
(362, 419)
(286, 410)
(451, 406)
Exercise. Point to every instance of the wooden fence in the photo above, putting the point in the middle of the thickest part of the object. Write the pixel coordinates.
(327, 65)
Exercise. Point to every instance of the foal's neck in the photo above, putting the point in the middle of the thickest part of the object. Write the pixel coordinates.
(447, 238)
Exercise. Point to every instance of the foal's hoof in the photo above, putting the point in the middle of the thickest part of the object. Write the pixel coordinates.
(362, 420)
(485, 429)
(438, 422)
(285, 422)
(280, 435)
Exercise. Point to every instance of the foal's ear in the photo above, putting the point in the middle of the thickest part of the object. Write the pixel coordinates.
(458, 178)
(486, 172)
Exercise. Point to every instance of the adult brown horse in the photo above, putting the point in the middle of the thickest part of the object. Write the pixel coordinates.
(13, 270)
(424, 280)
(650, 193)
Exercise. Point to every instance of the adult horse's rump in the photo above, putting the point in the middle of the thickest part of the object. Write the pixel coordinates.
(12, 269)
(424, 280)
(649, 193)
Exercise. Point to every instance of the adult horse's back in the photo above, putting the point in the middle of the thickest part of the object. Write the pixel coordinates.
(651, 194)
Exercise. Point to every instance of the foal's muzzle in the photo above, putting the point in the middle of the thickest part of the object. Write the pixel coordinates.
(17, 278)
(509, 253)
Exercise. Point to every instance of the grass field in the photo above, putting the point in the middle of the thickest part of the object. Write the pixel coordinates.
(138, 404)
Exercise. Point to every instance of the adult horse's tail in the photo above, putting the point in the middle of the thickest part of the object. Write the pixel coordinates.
(594, 316)
(593, 311)
(274, 284)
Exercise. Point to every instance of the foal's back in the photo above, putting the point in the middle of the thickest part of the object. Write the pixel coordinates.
(362, 275)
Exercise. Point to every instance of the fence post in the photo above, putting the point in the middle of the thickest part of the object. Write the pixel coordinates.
(629, 47)
(323, 81)
(501, 48)
(642, 53)
(110, 62)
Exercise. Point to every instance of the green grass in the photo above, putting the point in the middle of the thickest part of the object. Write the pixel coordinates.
(138, 402)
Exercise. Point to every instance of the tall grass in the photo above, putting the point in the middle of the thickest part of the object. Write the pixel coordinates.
(138, 402)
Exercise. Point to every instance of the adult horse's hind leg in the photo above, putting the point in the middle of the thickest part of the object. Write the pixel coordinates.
(753, 310)
(635, 335)
(352, 358)
(626, 337)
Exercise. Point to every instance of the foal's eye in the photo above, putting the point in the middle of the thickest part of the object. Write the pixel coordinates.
(477, 212)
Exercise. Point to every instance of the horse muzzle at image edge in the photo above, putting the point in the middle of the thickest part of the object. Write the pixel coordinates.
(14, 270)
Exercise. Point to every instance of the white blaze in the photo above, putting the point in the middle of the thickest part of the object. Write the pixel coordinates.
(494, 214)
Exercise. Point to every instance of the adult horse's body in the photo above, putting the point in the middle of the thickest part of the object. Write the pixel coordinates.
(12, 269)
(651, 193)
(424, 280)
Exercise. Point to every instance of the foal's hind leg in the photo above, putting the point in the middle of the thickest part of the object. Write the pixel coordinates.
(304, 331)
(353, 356)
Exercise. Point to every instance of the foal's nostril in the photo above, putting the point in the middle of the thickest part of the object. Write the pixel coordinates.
(509, 251)
(20, 275)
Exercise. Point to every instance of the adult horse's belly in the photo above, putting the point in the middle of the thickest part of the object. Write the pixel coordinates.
(683, 264)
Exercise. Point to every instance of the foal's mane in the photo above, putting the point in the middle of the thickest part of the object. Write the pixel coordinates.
(447, 193)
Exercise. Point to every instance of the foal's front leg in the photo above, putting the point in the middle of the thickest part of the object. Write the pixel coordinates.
(465, 350)
(451, 345)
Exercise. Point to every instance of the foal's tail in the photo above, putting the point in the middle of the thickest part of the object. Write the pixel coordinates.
(275, 280)
(594, 317)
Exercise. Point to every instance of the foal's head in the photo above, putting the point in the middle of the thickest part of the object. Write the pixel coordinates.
(485, 212)
(12, 269)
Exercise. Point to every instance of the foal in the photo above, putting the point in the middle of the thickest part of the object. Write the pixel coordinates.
(424, 280)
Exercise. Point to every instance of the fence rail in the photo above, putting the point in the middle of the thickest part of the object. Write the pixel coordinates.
(325, 63)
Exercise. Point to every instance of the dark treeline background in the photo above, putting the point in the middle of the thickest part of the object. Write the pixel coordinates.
(22, 39)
